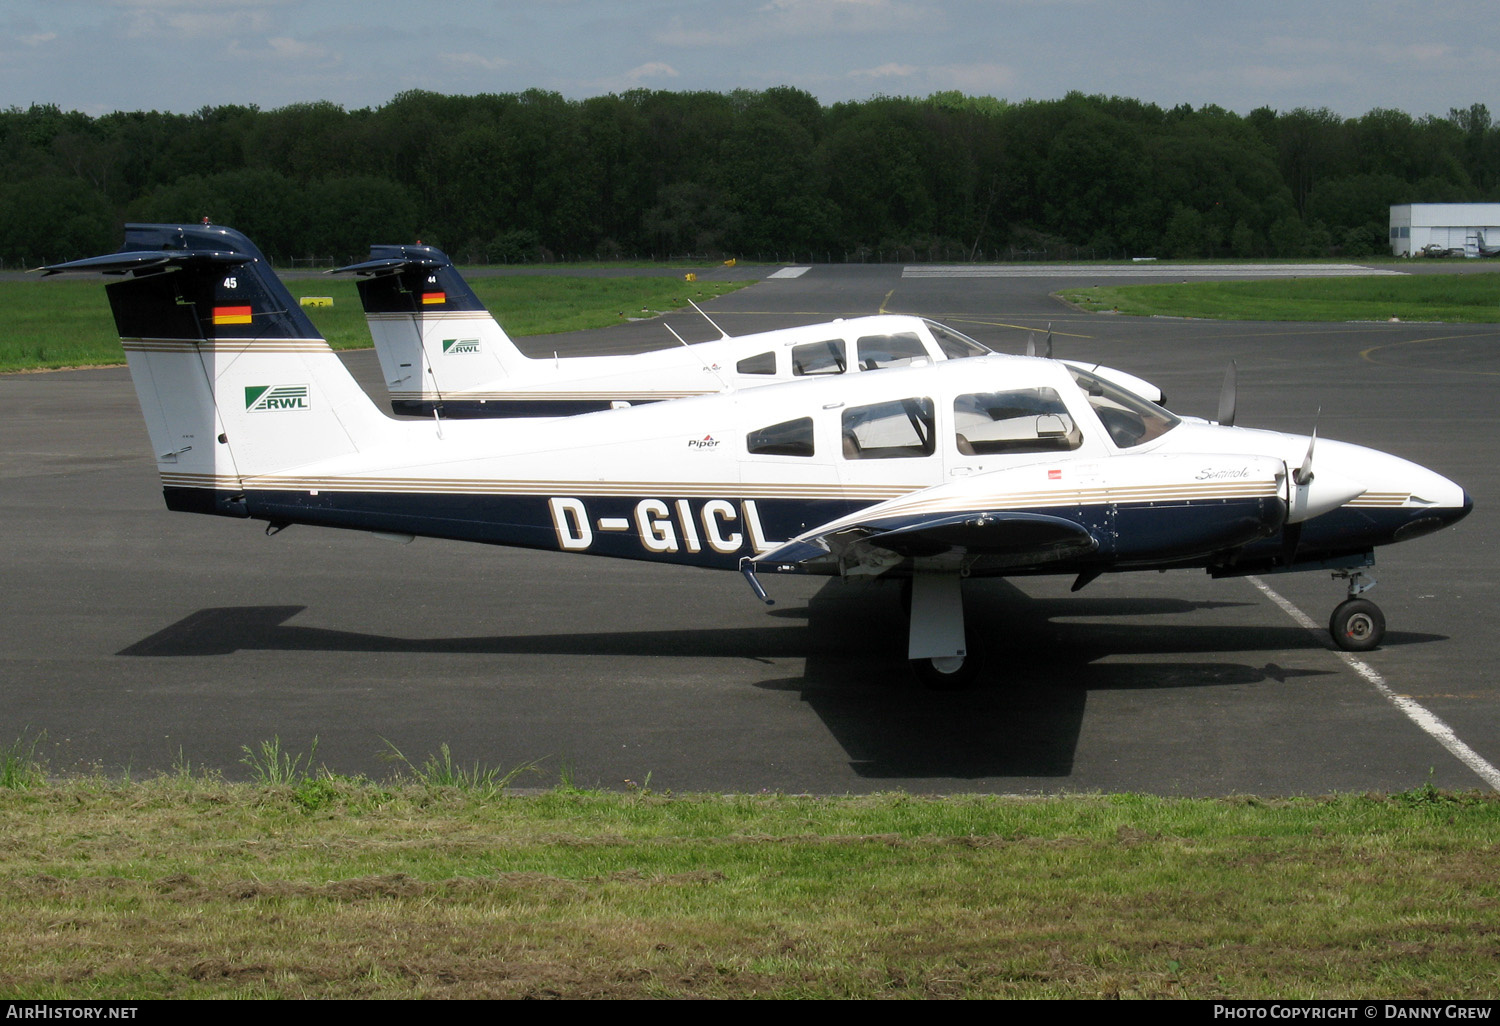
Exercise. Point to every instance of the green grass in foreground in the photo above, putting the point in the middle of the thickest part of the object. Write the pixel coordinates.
(1457, 298)
(324, 886)
(60, 322)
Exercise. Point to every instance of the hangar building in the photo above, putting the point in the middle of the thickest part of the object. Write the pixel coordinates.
(1469, 229)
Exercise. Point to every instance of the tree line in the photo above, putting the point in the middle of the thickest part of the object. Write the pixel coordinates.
(534, 176)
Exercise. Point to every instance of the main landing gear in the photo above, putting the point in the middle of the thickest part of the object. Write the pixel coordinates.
(937, 649)
(1357, 624)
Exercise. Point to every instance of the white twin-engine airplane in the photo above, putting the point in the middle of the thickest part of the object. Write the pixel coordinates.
(1006, 465)
(442, 351)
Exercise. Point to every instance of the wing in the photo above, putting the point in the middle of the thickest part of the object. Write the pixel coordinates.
(1139, 510)
(876, 539)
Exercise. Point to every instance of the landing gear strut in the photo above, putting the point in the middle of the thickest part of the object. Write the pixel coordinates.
(1357, 624)
(937, 649)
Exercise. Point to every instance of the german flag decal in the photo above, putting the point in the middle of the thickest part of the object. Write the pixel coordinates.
(231, 315)
(429, 298)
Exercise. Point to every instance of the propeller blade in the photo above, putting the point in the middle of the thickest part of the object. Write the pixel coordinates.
(1030, 344)
(1304, 474)
(1228, 395)
(1047, 346)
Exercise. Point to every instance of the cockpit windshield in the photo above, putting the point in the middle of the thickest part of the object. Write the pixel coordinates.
(954, 344)
(1129, 419)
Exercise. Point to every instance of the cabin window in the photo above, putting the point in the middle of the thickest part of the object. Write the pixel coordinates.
(1129, 419)
(900, 350)
(1020, 420)
(819, 358)
(897, 429)
(955, 344)
(789, 438)
(761, 363)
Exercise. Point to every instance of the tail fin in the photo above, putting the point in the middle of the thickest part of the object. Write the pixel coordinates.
(234, 380)
(433, 335)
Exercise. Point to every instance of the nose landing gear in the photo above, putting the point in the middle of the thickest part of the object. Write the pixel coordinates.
(1357, 624)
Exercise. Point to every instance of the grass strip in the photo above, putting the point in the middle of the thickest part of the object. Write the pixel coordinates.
(1453, 298)
(189, 887)
(57, 322)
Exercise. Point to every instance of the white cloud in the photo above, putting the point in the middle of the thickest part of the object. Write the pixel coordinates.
(801, 19)
(474, 60)
(282, 48)
(978, 79)
(206, 19)
(651, 69)
(886, 71)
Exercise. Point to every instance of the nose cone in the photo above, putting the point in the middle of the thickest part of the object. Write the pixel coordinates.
(1433, 503)
(1400, 500)
(1435, 518)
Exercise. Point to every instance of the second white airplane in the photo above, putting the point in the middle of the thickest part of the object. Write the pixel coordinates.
(441, 351)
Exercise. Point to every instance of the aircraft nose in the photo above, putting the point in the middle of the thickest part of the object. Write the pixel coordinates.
(1464, 510)
(1436, 517)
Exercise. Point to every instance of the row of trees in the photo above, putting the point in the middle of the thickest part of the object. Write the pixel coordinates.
(530, 176)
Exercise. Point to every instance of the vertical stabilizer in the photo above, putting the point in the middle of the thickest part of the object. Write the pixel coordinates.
(433, 335)
(233, 379)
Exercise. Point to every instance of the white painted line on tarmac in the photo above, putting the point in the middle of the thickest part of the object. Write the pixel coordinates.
(1413, 710)
(1142, 271)
(789, 272)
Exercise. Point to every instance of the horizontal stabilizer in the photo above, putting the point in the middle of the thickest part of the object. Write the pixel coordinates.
(413, 280)
(143, 260)
(394, 262)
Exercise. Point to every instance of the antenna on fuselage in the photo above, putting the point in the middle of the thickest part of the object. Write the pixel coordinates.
(710, 320)
(712, 370)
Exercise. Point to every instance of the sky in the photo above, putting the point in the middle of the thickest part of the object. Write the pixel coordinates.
(1350, 56)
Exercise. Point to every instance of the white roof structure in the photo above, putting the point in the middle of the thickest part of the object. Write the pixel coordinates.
(1445, 229)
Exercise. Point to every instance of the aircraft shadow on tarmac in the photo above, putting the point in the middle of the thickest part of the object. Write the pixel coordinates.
(1022, 720)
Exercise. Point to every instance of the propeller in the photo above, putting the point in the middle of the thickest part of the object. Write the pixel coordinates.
(1046, 346)
(1228, 397)
(1304, 474)
(1311, 494)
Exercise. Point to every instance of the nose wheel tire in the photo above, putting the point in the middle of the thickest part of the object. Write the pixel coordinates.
(1357, 625)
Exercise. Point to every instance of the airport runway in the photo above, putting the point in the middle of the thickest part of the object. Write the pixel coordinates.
(140, 639)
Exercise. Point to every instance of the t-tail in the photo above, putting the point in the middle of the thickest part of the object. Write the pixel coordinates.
(438, 345)
(233, 379)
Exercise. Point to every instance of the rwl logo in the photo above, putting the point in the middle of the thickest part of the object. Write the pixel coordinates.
(460, 345)
(259, 398)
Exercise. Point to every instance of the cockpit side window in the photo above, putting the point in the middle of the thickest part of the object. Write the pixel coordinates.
(955, 344)
(789, 438)
(1129, 419)
(903, 349)
(819, 358)
(761, 363)
(1021, 420)
(898, 429)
